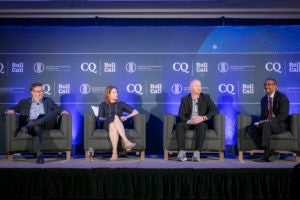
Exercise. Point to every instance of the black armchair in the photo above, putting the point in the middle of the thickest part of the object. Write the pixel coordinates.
(98, 138)
(54, 140)
(286, 142)
(214, 138)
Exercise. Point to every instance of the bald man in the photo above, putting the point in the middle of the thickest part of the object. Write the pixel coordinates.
(195, 110)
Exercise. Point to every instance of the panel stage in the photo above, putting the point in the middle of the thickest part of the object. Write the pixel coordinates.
(152, 178)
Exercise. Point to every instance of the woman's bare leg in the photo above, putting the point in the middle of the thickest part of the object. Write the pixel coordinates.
(121, 131)
(114, 138)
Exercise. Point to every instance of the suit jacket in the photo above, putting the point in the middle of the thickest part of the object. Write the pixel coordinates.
(281, 107)
(205, 107)
(24, 105)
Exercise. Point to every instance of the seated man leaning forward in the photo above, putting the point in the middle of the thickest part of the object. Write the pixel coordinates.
(195, 110)
(37, 113)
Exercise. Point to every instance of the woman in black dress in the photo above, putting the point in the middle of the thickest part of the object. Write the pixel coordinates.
(111, 113)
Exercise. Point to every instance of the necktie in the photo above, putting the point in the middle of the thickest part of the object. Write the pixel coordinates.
(270, 110)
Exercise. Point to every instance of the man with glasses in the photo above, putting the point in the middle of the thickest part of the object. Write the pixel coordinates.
(274, 114)
(37, 113)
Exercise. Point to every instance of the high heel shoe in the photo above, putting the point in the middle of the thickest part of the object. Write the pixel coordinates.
(128, 148)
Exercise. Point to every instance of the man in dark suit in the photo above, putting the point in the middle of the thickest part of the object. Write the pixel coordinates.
(37, 113)
(274, 114)
(195, 110)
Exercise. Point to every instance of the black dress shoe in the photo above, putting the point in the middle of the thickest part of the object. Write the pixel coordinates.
(269, 158)
(273, 157)
(262, 159)
(40, 159)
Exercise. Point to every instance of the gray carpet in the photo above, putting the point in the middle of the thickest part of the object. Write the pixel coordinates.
(150, 162)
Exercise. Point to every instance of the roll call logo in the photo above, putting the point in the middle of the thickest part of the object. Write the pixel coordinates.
(17, 67)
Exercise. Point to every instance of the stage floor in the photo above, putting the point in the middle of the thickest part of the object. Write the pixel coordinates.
(152, 178)
(150, 162)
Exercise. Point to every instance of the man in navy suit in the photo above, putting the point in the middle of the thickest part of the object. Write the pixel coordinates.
(195, 110)
(274, 114)
(37, 113)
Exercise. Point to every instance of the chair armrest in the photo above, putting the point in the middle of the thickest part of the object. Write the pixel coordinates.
(89, 127)
(139, 124)
(89, 124)
(295, 125)
(66, 129)
(169, 123)
(243, 122)
(219, 125)
(11, 124)
(66, 124)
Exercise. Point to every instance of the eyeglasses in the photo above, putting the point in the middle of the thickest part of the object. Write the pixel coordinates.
(38, 91)
(269, 84)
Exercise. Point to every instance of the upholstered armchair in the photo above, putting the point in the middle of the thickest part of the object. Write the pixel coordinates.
(286, 142)
(214, 138)
(98, 138)
(54, 140)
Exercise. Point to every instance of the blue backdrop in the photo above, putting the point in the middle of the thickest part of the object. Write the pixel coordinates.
(151, 66)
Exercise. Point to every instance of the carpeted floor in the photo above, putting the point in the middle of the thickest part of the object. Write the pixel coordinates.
(150, 162)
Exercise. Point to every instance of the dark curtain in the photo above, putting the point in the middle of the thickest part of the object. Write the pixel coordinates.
(145, 183)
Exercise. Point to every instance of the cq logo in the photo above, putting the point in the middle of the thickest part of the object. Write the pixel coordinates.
(226, 88)
(2, 69)
(91, 67)
(47, 89)
(276, 66)
(135, 88)
(183, 66)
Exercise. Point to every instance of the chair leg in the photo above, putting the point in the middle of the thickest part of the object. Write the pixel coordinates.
(166, 155)
(10, 157)
(241, 154)
(142, 155)
(221, 156)
(68, 155)
(87, 155)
